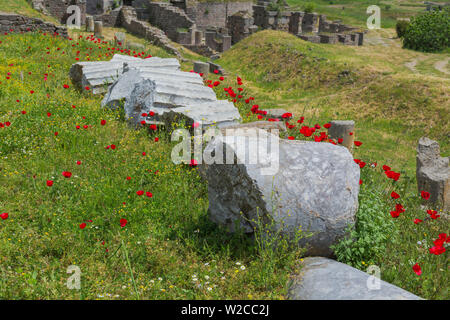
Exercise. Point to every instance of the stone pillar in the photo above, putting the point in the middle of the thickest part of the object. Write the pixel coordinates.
(98, 29)
(120, 37)
(341, 129)
(90, 24)
(198, 37)
(433, 172)
(226, 43)
(201, 67)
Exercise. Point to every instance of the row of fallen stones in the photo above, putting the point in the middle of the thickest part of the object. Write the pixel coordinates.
(285, 184)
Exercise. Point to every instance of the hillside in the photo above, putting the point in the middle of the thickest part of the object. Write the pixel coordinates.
(392, 106)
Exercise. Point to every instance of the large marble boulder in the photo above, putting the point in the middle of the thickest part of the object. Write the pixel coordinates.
(98, 75)
(325, 279)
(291, 185)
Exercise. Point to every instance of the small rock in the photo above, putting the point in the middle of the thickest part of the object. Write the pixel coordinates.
(326, 279)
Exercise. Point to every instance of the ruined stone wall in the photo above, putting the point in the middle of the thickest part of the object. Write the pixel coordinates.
(129, 20)
(19, 23)
(110, 19)
(170, 19)
(240, 25)
(215, 13)
(58, 8)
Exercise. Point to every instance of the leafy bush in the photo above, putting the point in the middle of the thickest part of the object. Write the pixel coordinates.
(401, 27)
(429, 32)
(367, 241)
(309, 7)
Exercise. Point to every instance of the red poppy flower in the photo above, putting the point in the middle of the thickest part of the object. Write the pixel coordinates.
(49, 183)
(416, 268)
(156, 139)
(360, 181)
(395, 214)
(395, 195)
(66, 86)
(286, 115)
(78, 162)
(358, 143)
(140, 192)
(425, 195)
(340, 140)
(83, 225)
(56, 133)
(433, 214)
(437, 250)
(291, 138)
(327, 125)
(113, 146)
(362, 164)
(193, 163)
(417, 221)
(4, 215)
(123, 222)
(87, 88)
(103, 122)
(149, 194)
(386, 168)
(67, 174)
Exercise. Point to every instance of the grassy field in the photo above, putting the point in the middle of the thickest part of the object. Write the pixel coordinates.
(392, 106)
(354, 11)
(167, 248)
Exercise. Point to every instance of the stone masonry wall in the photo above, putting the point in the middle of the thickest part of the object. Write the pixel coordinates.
(215, 13)
(58, 8)
(19, 23)
(170, 19)
(130, 21)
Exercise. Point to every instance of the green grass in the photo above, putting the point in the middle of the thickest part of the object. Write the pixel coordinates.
(392, 107)
(174, 251)
(354, 12)
(24, 7)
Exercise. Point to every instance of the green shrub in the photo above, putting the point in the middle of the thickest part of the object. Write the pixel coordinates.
(309, 7)
(429, 32)
(366, 242)
(401, 27)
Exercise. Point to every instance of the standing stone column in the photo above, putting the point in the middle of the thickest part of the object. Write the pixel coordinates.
(201, 67)
(198, 37)
(90, 24)
(433, 172)
(341, 129)
(98, 29)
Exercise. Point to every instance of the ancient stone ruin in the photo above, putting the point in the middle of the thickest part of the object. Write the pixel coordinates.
(206, 27)
(433, 172)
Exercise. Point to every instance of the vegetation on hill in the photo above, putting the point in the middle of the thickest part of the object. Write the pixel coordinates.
(354, 12)
(429, 32)
(367, 84)
(71, 184)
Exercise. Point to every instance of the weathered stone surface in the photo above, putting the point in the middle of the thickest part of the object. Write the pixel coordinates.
(316, 187)
(326, 279)
(120, 38)
(341, 129)
(98, 29)
(99, 75)
(433, 172)
(90, 24)
(201, 67)
(264, 125)
(159, 91)
(277, 114)
(219, 113)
